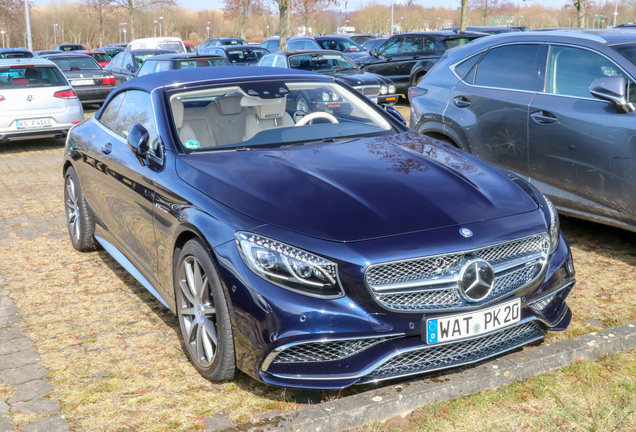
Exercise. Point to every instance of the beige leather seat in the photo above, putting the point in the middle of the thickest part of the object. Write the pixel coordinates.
(265, 114)
(193, 124)
(228, 119)
(185, 131)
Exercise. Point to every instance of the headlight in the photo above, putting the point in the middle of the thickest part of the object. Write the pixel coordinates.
(325, 97)
(554, 224)
(383, 89)
(289, 267)
(334, 97)
(392, 89)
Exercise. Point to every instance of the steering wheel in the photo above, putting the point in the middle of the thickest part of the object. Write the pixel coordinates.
(309, 117)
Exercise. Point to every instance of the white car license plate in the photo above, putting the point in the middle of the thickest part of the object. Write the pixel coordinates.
(472, 324)
(82, 82)
(34, 123)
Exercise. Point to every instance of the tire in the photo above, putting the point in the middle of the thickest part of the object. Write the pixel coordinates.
(204, 317)
(79, 217)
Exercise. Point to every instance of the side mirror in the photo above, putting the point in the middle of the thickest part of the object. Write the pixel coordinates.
(138, 141)
(129, 67)
(374, 52)
(390, 109)
(614, 90)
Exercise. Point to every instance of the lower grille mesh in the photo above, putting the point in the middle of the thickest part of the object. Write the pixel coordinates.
(453, 354)
(325, 351)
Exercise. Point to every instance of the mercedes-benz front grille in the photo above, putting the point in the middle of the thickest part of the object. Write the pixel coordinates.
(432, 283)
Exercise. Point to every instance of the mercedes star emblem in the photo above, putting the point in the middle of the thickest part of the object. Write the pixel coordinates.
(476, 279)
(466, 232)
(29, 98)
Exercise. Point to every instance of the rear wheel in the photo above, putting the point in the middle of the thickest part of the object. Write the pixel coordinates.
(79, 218)
(204, 316)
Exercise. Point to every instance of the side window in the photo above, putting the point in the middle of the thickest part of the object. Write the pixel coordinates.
(391, 46)
(571, 71)
(162, 66)
(412, 44)
(430, 45)
(280, 62)
(127, 61)
(118, 60)
(110, 113)
(268, 61)
(136, 108)
(146, 68)
(466, 66)
(511, 67)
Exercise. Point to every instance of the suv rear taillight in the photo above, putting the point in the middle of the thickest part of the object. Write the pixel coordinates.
(108, 81)
(65, 94)
(1, 98)
(416, 91)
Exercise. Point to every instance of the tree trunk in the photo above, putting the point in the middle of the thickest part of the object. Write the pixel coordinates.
(285, 23)
(579, 5)
(101, 26)
(131, 18)
(463, 19)
(243, 22)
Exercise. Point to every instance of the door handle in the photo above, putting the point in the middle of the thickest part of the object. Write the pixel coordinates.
(107, 149)
(461, 102)
(543, 117)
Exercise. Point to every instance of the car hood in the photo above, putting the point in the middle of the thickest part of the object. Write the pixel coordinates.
(356, 77)
(357, 190)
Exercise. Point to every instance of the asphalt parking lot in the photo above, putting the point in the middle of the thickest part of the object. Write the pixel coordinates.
(111, 353)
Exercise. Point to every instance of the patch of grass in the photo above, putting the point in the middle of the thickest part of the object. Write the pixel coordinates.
(590, 396)
(6, 391)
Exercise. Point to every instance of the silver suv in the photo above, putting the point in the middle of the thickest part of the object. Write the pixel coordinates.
(556, 107)
(36, 100)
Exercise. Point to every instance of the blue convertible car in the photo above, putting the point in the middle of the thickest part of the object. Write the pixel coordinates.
(311, 249)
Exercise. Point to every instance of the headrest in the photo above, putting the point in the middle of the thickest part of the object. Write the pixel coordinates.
(229, 105)
(177, 112)
(265, 108)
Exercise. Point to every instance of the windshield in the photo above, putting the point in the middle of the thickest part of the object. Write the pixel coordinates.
(452, 43)
(272, 113)
(342, 45)
(100, 57)
(320, 62)
(75, 63)
(233, 42)
(176, 46)
(627, 50)
(31, 76)
(200, 62)
(16, 54)
(245, 55)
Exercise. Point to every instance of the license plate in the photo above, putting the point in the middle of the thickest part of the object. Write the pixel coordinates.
(472, 324)
(82, 82)
(34, 123)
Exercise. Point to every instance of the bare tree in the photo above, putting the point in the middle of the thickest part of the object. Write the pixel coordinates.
(309, 10)
(99, 7)
(485, 8)
(463, 18)
(580, 9)
(241, 9)
(285, 11)
(133, 5)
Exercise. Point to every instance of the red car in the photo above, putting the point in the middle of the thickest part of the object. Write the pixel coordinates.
(100, 56)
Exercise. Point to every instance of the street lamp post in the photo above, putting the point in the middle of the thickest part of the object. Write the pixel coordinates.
(27, 17)
(615, 12)
(267, 32)
(3, 45)
(125, 35)
(160, 30)
(154, 26)
(55, 33)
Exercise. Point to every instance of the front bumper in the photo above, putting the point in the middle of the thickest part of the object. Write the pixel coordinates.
(291, 340)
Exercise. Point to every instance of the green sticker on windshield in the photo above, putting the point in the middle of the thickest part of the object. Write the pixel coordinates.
(192, 145)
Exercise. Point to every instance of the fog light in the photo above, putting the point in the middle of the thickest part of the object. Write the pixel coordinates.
(543, 303)
(569, 265)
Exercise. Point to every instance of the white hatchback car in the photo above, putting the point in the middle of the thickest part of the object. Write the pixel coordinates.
(36, 100)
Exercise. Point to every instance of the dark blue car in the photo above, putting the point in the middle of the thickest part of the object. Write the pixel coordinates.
(313, 250)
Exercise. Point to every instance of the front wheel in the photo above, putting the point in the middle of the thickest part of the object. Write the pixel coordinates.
(204, 316)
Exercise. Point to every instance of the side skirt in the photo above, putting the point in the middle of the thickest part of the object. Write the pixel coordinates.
(130, 268)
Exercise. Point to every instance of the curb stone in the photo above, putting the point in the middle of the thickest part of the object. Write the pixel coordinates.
(382, 404)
